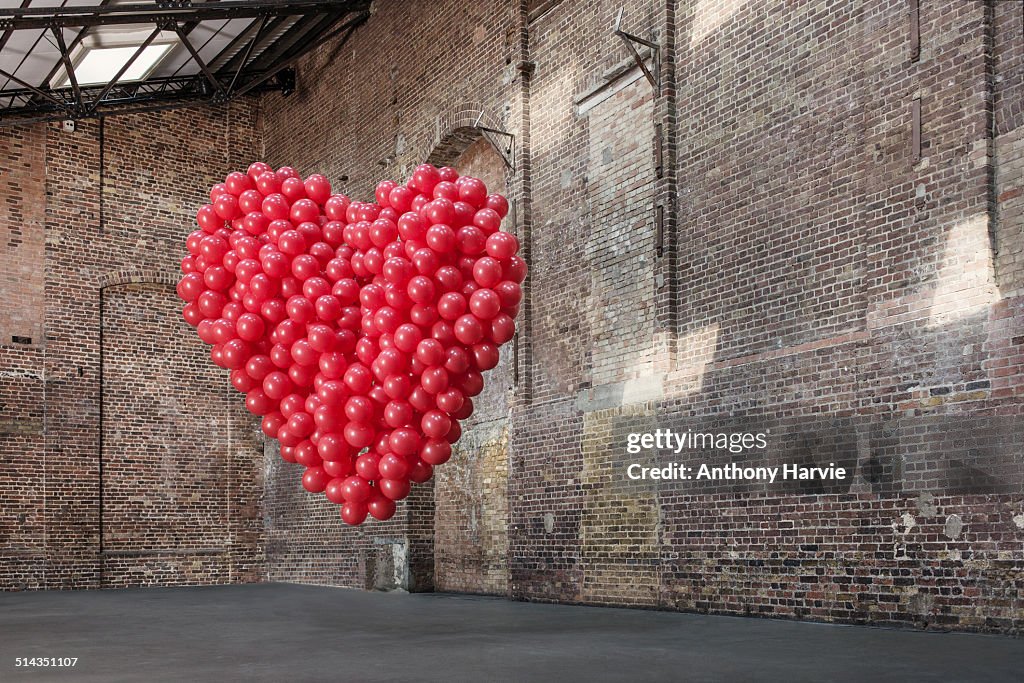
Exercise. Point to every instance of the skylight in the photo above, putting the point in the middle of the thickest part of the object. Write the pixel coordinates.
(99, 64)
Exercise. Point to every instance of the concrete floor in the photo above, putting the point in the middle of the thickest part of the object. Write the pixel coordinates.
(282, 632)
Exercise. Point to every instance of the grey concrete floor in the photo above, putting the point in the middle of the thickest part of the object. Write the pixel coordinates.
(283, 632)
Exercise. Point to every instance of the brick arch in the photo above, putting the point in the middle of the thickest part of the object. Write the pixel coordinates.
(182, 534)
(456, 131)
(131, 276)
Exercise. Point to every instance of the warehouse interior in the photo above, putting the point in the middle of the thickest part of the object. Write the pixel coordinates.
(801, 219)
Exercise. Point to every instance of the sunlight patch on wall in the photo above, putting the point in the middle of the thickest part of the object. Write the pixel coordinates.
(710, 15)
(965, 277)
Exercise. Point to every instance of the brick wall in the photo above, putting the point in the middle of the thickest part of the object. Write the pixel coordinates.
(22, 214)
(471, 490)
(812, 278)
(370, 124)
(124, 463)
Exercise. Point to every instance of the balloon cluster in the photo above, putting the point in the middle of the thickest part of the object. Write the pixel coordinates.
(358, 331)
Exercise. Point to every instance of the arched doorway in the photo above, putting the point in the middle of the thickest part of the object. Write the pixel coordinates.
(471, 490)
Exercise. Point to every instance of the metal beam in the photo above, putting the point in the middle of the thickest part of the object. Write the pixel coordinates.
(127, 65)
(255, 60)
(66, 58)
(248, 53)
(236, 48)
(183, 37)
(139, 13)
(348, 28)
(31, 87)
(629, 39)
(75, 42)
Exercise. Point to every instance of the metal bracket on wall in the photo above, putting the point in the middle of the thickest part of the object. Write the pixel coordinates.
(629, 39)
(506, 150)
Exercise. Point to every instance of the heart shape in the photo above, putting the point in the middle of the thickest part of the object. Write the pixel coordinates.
(358, 331)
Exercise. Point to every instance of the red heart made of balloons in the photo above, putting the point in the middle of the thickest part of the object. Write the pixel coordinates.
(358, 331)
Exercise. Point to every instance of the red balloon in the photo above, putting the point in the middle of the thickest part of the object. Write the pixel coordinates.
(485, 304)
(305, 453)
(435, 424)
(277, 385)
(487, 271)
(333, 490)
(485, 356)
(191, 286)
(393, 466)
(208, 218)
(318, 188)
(472, 191)
(434, 380)
(441, 238)
(336, 207)
(436, 452)
(355, 489)
(271, 423)
(236, 352)
(381, 507)
(250, 327)
(487, 220)
(268, 183)
(471, 240)
(425, 177)
(394, 489)
(358, 435)
(430, 352)
(293, 189)
(366, 466)
(426, 261)
(237, 183)
(226, 206)
(193, 316)
(333, 447)
(397, 386)
(446, 189)
(471, 383)
(358, 378)
(451, 305)
(404, 441)
(441, 211)
(315, 479)
(359, 409)
(354, 513)
(450, 400)
(468, 329)
(497, 203)
(503, 328)
(502, 245)
(465, 411)
(420, 472)
(241, 381)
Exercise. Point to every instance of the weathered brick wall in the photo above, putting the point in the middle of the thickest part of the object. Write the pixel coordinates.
(813, 278)
(124, 463)
(374, 109)
(22, 214)
(471, 490)
(821, 272)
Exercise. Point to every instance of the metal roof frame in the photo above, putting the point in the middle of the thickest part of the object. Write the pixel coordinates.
(260, 58)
